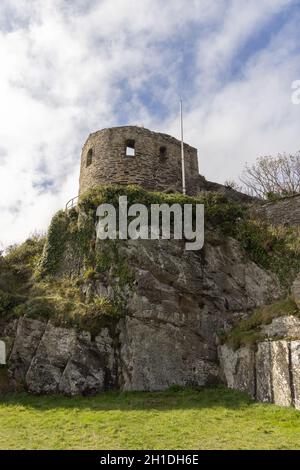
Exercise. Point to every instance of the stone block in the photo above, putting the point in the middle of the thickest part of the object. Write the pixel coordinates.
(264, 391)
(280, 373)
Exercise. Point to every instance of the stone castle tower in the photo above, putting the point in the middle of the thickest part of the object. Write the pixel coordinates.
(135, 155)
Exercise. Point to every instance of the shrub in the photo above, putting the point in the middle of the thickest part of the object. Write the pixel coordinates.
(27, 253)
(55, 244)
(273, 248)
(8, 302)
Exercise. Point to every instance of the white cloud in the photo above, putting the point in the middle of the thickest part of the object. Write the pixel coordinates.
(234, 121)
(68, 68)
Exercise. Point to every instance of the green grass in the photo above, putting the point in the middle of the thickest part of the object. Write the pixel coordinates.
(188, 419)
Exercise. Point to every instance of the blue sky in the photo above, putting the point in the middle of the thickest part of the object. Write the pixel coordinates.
(69, 68)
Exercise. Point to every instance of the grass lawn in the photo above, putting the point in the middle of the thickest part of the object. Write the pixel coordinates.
(208, 419)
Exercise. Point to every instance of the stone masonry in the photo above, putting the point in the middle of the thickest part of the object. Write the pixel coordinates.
(155, 165)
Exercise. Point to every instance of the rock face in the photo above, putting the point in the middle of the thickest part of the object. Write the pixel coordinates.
(181, 300)
(268, 371)
(49, 359)
(238, 368)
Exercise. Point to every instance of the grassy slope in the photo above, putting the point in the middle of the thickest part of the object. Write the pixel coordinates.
(209, 419)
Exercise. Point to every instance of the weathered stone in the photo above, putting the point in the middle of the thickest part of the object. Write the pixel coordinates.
(245, 380)
(295, 371)
(238, 368)
(285, 211)
(105, 345)
(281, 373)
(71, 363)
(104, 160)
(264, 385)
(85, 371)
(275, 376)
(286, 326)
(158, 355)
(268, 380)
(28, 336)
(50, 360)
(92, 367)
(241, 284)
(228, 361)
(295, 291)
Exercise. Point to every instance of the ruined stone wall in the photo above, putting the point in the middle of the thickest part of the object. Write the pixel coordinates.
(148, 168)
(286, 211)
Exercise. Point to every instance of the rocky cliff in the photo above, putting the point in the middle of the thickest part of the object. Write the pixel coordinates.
(262, 357)
(138, 315)
(269, 373)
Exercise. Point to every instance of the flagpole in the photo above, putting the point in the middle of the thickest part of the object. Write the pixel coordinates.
(182, 151)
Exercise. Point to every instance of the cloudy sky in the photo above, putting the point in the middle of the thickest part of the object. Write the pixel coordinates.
(71, 67)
